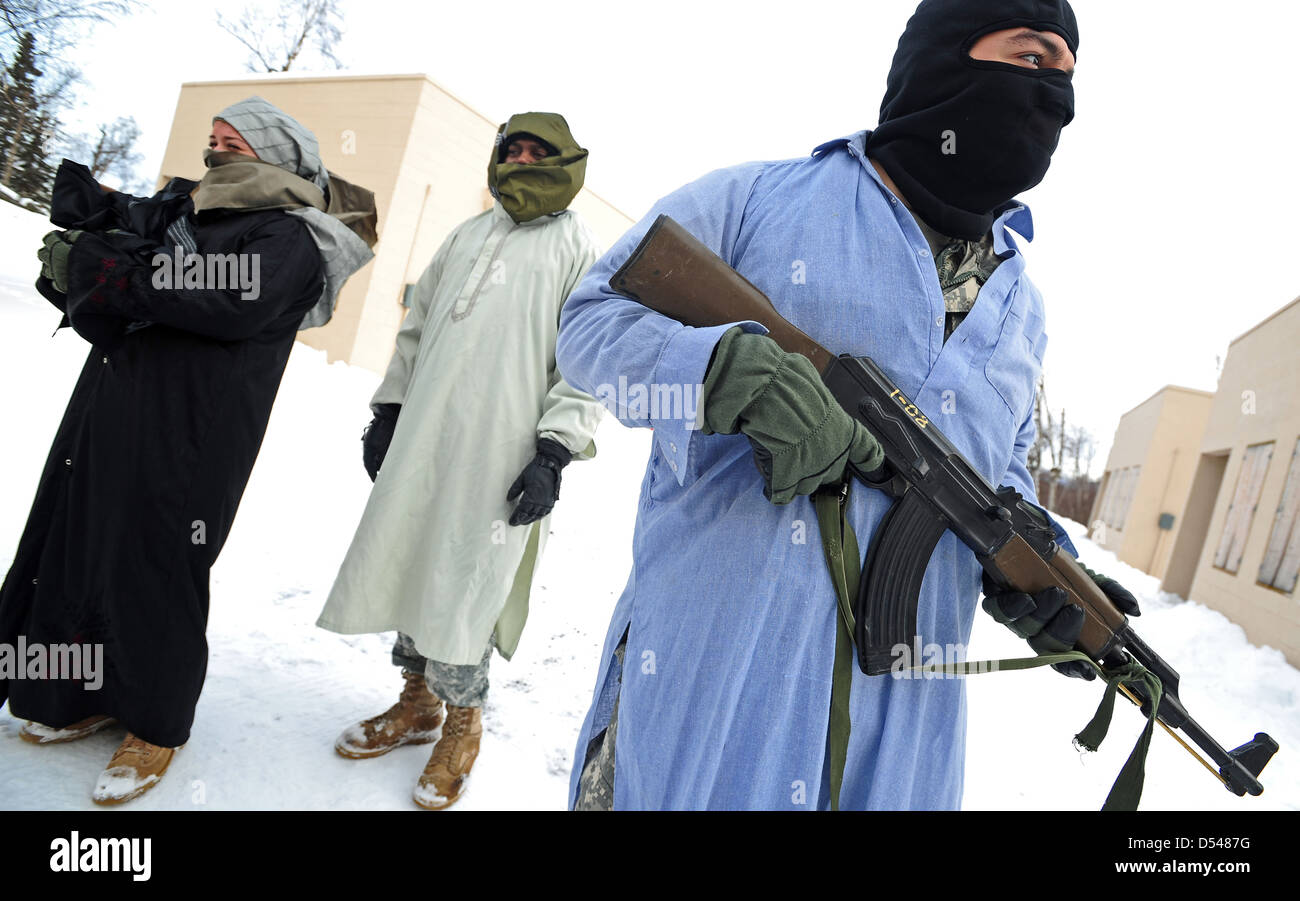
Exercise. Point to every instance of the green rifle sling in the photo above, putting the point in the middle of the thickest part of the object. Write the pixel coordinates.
(843, 558)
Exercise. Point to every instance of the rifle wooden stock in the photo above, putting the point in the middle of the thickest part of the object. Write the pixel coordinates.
(1024, 569)
(669, 274)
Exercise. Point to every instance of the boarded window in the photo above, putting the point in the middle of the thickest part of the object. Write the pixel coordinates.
(1121, 485)
(1107, 494)
(1114, 485)
(1126, 499)
(1108, 499)
(1282, 557)
(1241, 512)
(1119, 495)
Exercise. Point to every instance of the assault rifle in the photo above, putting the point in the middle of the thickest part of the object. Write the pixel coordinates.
(936, 490)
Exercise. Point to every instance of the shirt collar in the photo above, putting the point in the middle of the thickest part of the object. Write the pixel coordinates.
(1015, 216)
(1019, 219)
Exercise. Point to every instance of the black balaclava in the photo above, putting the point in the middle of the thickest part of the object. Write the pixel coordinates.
(960, 136)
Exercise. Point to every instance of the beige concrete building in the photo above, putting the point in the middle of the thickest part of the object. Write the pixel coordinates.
(1239, 548)
(422, 151)
(1202, 490)
(1138, 510)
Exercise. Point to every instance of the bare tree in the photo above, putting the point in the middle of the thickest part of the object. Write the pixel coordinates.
(277, 38)
(1073, 495)
(112, 151)
(1081, 448)
(1059, 443)
(55, 22)
(1050, 432)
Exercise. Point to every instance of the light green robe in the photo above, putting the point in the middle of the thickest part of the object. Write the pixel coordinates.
(474, 371)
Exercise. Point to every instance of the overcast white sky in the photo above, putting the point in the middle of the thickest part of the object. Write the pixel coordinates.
(1165, 228)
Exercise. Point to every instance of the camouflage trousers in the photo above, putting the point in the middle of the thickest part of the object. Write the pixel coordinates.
(596, 784)
(460, 685)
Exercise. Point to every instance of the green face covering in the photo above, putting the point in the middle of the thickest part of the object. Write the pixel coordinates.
(529, 190)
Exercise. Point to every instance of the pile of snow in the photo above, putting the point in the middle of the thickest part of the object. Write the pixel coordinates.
(279, 690)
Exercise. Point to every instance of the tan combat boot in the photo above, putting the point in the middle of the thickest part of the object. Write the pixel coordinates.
(445, 775)
(413, 720)
(40, 734)
(135, 768)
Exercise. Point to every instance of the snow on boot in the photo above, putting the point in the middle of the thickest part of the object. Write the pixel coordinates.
(40, 734)
(445, 775)
(413, 720)
(135, 768)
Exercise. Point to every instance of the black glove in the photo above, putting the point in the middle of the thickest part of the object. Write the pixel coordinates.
(377, 436)
(539, 483)
(1120, 596)
(1048, 621)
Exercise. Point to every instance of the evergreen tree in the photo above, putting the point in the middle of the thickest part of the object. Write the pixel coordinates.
(26, 126)
(35, 173)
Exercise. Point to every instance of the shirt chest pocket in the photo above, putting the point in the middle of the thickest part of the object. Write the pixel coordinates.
(1014, 366)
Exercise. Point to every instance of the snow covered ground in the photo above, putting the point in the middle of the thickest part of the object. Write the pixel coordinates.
(279, 690)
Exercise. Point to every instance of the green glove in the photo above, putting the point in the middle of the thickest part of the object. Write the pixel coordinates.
(802, 438)
(56, 246)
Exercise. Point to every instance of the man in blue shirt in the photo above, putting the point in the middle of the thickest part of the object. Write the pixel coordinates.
(715, 678)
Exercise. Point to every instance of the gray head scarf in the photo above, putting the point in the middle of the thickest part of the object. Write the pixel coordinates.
(279, 139)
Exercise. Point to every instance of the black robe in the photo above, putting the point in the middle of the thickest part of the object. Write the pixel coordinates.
(148, 467)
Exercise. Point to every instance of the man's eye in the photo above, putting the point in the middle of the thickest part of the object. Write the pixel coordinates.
(1035, 58)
